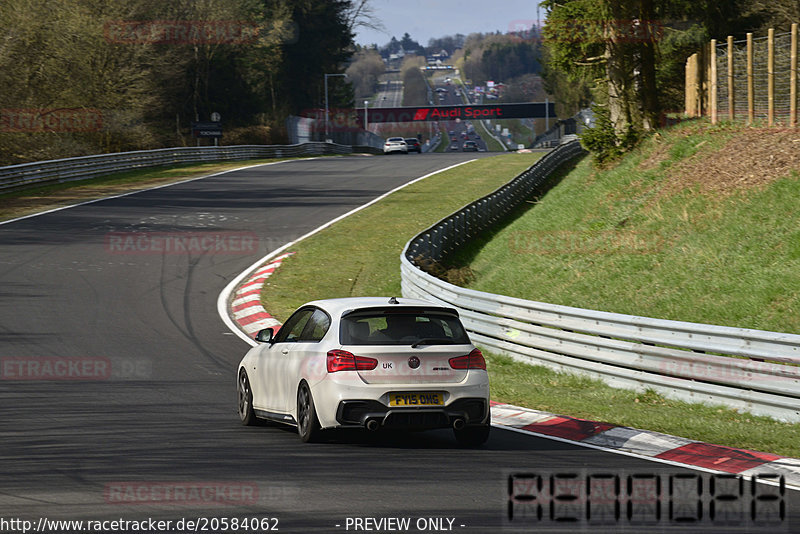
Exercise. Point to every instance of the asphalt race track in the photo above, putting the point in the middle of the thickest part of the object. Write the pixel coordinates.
(117, 392)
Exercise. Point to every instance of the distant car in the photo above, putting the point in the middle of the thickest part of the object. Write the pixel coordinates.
(369, 363)
(414, 145)
(454, 146)
(470, 146)
(395, 144)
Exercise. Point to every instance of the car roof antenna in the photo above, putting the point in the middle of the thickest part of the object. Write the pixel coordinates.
(393, 300)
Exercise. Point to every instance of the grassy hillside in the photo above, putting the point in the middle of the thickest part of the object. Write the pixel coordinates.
(700, 224)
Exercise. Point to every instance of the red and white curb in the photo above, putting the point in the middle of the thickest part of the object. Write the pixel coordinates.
(645, 443)
(246, 307)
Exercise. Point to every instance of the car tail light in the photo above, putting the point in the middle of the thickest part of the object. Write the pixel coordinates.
(473, 360)
(341, 360)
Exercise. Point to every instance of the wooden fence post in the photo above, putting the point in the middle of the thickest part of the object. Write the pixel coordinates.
(750, 88)
(688, 106)
(713, 99)
(793, 80)
(770, 77)
(692, 100)
(731, 93)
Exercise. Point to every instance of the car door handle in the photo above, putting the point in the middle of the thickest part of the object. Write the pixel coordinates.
(285, 351)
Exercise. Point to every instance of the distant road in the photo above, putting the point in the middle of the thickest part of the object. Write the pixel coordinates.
(390, 91)
(461, 130)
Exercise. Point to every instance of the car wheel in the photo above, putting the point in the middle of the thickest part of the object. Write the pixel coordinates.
(245, 394)
(473, 436)
(307, 421)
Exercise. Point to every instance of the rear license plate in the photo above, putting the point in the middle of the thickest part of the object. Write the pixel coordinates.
(425, 398)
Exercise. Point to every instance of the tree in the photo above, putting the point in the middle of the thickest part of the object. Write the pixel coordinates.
(361, 14)
(323, 46)
(449, 43)
(410, 45)
(364, 71)
(150, 67)
(618, 48)
(499, 57)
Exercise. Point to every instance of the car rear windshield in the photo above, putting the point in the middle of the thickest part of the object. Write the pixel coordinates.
(401, 328)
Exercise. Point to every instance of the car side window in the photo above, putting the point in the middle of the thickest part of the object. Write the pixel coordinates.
(317, 327)
(293, 328)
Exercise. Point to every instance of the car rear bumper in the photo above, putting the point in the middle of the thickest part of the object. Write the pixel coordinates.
(343, 399)
(373, 415)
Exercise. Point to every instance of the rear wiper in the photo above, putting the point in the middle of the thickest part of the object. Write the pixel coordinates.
(432, 341)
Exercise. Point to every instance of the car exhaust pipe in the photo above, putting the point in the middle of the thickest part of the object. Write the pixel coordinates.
(372, 425)
(458, 424)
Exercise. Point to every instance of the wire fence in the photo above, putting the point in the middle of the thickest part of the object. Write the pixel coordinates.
(782, 80)
(754, 79)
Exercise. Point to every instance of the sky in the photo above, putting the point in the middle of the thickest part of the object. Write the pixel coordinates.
(427, 19)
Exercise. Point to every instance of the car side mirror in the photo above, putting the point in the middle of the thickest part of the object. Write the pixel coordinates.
(264, 336)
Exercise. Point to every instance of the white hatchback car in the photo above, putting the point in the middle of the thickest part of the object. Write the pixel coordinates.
(367, 363)
(395, 144)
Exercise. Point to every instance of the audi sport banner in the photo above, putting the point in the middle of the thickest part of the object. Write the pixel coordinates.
(531, 110)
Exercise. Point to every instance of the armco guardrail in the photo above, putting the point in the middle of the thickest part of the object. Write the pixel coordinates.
(751, 370)
(26, 175)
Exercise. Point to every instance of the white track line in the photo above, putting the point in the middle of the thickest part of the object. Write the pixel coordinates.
(224, 297)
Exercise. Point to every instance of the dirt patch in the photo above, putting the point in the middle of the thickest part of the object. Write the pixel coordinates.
(660, 148)
(753, 158)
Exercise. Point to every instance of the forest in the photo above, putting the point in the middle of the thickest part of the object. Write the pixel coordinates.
(83, 77)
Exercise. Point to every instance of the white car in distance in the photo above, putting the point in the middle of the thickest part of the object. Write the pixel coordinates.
(395, 144)
(371, 363)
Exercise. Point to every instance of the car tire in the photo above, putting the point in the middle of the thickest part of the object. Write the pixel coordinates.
(245, 394)
(308, 427)
(474, 436)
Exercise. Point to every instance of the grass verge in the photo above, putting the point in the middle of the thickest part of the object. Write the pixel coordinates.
(359, 256)
(577, 396)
